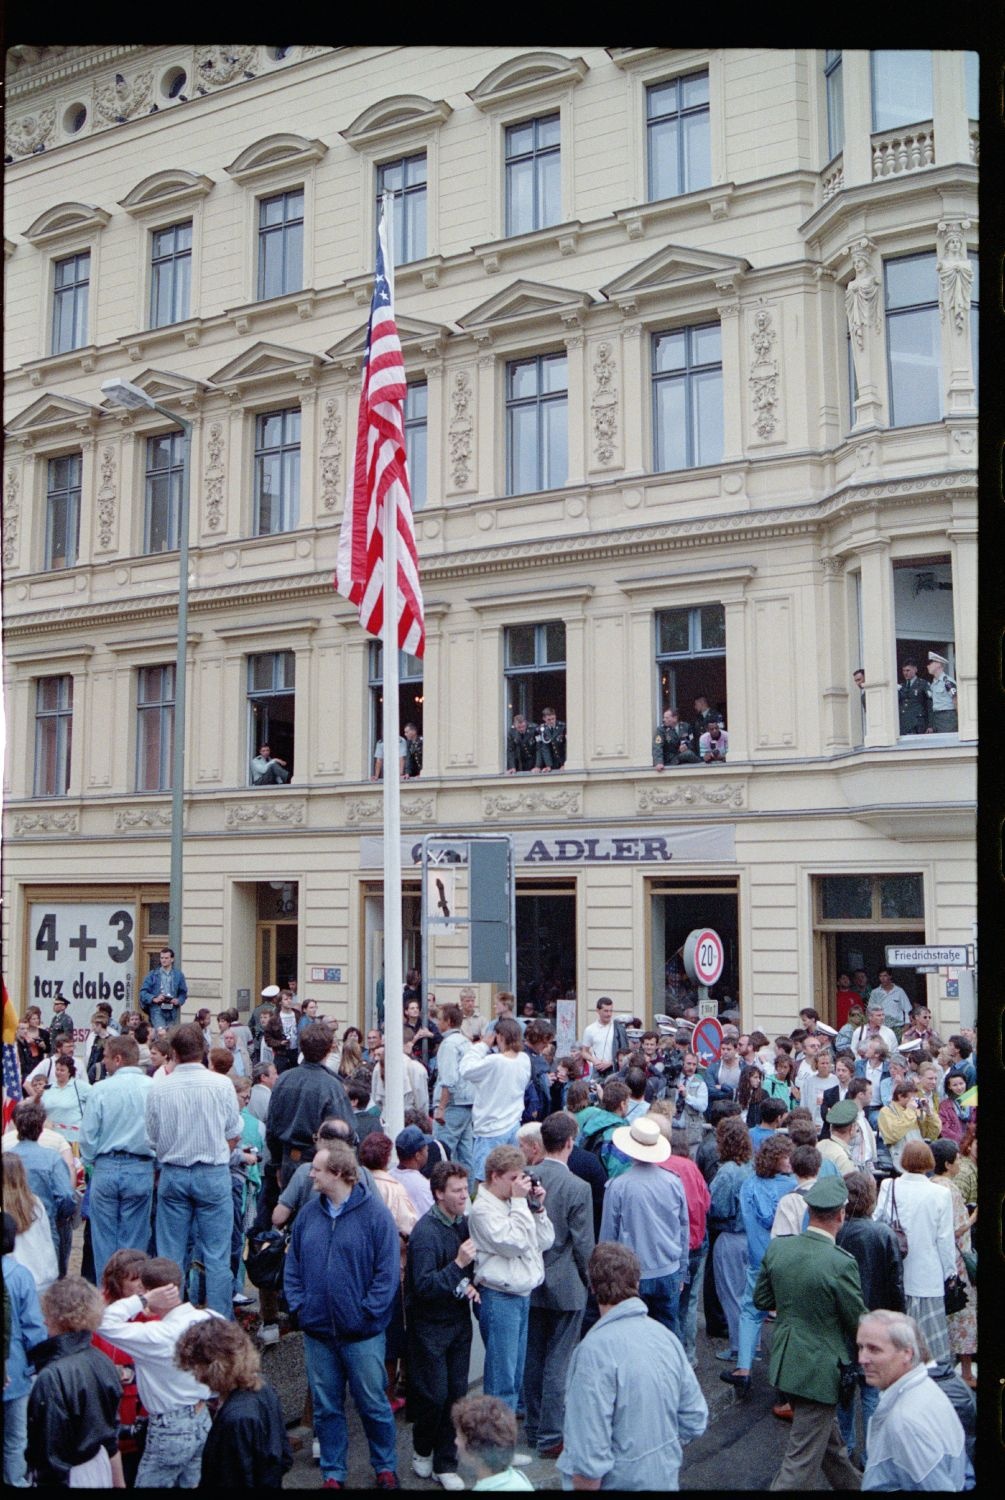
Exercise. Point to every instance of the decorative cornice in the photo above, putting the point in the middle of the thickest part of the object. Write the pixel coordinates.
(56, 64)
(689, 794)
(142, 817)
(370, 809)
(46, 822)
(268, 811)
(565, 800)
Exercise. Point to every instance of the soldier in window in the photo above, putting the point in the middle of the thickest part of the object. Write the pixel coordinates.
(551, 744)
(703, 718)
(944, 694)
(520, 745)
(268, 770)
(378, 758)
(672, 742)
(413, 752)
(914, 700)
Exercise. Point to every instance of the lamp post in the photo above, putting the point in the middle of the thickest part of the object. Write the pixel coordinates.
(124, 393)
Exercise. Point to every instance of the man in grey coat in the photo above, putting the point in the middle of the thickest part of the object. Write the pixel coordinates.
(556, 1307)
(630, 1375)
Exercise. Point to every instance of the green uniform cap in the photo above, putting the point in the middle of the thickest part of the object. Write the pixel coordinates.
(827, 1192)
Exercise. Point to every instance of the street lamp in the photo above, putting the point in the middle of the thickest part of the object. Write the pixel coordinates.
(124, 393)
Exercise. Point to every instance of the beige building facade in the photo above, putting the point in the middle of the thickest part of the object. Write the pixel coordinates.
(691, 345)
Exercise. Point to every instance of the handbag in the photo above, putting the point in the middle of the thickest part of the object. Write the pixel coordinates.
(899, 1232)
(956, 1295)
(266, 1258)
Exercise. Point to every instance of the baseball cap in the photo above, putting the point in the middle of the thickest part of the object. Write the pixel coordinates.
(410, 1141)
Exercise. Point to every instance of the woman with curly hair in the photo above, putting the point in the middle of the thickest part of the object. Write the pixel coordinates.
(247, 1447)
(751, 1093)
(729, 1255)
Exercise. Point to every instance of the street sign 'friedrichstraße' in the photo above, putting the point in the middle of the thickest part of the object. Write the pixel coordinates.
(901, 957)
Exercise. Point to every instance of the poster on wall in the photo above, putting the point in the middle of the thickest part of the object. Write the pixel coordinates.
(81, 952)
(565, 1027)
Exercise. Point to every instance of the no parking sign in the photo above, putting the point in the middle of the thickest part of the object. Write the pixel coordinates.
(706, 1040)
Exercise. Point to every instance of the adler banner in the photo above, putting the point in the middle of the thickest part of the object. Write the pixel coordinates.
(552, 848)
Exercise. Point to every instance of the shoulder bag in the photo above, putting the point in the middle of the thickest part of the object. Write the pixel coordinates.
(899, 1232)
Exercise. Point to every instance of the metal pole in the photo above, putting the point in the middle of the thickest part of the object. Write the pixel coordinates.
(178, 746)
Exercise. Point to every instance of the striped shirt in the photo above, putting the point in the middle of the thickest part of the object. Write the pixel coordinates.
(191, 1114)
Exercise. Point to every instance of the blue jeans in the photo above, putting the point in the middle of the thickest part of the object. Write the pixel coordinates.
(457, 1135)
(846, 1416)
(195, 1203)
(661, 1294)
(163, 1015)
(122, 1188)
(502, 1319)
(329, 1366)
(751, 1319)
(483, 1144)
(15, 1441)
(691, 1295)
(172, 1454)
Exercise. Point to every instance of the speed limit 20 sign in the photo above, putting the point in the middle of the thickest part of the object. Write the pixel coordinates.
(704, 956)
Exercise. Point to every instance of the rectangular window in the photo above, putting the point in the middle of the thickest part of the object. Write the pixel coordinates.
(533, 175)
(62, 514)
(271, 702)
(53, 733)
(835, 103)
(687, 397)
(852, 380)
(405, 180)
(537, 402)
(913, 340)
(416, 411)
(855, 918)
(972, 83)
(72, 279)
(281, 244)
(163, 492)
(923, 622)
(901, 89)
(410, 700)
(170, 274)
(277, 471)
(975, 299)
(677, 135)
(691, 659)
(676, 908)
(534, 671)
(154, 728)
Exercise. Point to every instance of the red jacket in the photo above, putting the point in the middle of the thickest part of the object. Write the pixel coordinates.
(695, 1191)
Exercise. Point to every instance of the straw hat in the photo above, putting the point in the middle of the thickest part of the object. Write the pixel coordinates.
(642, 1140)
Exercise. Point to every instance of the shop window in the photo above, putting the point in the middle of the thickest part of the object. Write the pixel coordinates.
(691, 659)
(271, 703)
(545, 943)
(676, 909)
(410, 700)
(856, 917)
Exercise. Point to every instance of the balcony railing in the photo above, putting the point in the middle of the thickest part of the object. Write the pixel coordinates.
(898, 151)
(832, 178)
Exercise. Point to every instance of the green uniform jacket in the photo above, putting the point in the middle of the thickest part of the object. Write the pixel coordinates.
(818, 1294)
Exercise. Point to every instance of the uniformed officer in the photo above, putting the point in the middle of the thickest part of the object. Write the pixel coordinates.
(703, 717)
(551, 744)
(914, 700)
(944, 694)
(520, 745)
(413, 751)
(671, 742)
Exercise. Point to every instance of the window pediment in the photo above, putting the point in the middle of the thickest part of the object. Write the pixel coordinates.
(388, 119)
(527, 75)
(65, 219)
(413, 333)
(49, 412)
(675, 266)
(172, 186)
(265, 361)
(272, 151)
(525, 301)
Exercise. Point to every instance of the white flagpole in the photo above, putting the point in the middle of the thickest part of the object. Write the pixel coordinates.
(394, 1066)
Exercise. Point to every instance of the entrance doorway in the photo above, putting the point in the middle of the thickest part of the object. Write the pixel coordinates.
(373, 1006)
(855, 917)
(676, 910)
(545, 942)
(277, 933)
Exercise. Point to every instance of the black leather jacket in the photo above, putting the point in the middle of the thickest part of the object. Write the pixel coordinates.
(73, 1409)
(880, 1267)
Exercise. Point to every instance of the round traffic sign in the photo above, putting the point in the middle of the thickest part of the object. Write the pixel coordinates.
(704, 955)
(706, 1040)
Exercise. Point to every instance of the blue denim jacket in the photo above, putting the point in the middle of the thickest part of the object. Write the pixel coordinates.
(26, 1327)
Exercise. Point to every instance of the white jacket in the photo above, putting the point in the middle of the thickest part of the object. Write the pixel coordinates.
(926, 1212)
(511, 1241)
(500, 1082)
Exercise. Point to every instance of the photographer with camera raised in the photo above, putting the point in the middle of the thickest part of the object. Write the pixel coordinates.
(551, 743)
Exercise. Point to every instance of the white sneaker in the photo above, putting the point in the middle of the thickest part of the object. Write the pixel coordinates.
(450, 1481)
(269, 1333)
(316, 1449)
(241, 1299)
(422, 1466)
(521, 1460)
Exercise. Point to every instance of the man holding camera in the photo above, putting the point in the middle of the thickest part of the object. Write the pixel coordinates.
(511, 1232)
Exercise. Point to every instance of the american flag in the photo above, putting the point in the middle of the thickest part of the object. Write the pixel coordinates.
(380, 480)
(12, 1091)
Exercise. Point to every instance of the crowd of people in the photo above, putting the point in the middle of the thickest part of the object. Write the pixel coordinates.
(580, 1208)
